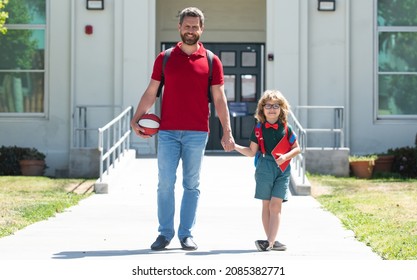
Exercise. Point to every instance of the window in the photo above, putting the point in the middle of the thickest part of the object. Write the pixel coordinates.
(397, 59)
(22, 59)
(248, 88)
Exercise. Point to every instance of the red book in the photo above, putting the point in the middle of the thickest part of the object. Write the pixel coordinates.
(282, 147)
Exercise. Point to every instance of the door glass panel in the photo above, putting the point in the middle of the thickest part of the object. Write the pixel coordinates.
(229, 87)
(248, 59)
(228, 59)
(248, 87)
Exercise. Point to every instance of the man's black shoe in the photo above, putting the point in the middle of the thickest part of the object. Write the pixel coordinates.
(160, 243)
(188, 244)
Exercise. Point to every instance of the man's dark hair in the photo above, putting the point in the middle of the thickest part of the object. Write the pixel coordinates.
(192, 12)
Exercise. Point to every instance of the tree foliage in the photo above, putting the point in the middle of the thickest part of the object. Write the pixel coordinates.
(3, 16)
(17, 46)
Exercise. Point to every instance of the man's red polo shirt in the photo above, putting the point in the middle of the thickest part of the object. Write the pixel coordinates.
(184, 100)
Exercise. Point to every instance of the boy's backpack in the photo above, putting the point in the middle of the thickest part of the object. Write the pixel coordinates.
(261, 144)
(167, 53)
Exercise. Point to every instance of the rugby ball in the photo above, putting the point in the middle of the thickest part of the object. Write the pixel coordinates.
(150, 123)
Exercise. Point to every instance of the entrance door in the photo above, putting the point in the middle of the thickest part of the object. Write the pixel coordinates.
(243, 66)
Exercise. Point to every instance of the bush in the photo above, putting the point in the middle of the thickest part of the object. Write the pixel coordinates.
(10, 156)
(405, 162)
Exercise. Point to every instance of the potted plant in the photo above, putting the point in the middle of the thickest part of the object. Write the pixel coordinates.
(362, 166)
(32, 162)
(383, 163)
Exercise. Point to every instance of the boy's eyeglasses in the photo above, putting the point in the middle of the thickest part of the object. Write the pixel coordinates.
(270, 106)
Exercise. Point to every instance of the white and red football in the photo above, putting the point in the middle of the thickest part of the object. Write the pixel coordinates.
(150, 123)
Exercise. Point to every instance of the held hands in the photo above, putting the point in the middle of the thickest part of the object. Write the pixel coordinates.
(228, 142)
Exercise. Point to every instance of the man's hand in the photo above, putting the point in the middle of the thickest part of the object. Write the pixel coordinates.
(139, 131)
(228, 142)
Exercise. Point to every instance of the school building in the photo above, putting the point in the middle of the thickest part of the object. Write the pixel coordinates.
(62, 59)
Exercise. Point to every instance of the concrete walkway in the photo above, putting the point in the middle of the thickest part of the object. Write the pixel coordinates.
(122, 224)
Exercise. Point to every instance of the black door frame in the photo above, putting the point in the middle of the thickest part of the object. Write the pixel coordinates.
(242, 121)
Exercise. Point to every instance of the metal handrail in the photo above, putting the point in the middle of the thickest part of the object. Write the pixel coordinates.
(299, 161)
(81, 126)
(338, 125)
(114, 140)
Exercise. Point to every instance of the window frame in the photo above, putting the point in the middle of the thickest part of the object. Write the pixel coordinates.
(45, 71)
(378, 29)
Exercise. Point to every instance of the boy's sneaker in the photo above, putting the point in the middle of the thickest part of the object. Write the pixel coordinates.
(278, 246)
(262, 245)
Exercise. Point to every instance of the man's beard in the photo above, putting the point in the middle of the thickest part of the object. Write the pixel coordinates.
(190, 40)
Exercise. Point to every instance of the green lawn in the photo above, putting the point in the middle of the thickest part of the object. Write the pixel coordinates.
(26, 200)
(381, 212)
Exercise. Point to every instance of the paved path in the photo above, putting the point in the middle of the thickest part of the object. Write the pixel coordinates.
(122, 224)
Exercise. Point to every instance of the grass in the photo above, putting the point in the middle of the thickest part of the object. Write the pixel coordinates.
(381, 212)
(25, 200)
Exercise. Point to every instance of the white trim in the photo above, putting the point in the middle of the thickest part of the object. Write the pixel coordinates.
(72, 73)
(395, 28)
(118, 53)
(347, 75)
(375, 98)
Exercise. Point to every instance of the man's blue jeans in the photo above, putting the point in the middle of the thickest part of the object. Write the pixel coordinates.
(188, 146)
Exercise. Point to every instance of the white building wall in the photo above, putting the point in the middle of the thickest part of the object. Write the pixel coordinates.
(110, 67)
(362, 96)
(320, 58)
(367, 133)
(50, 133)
(310, 59)
(283, 42)
(53, 135)
(328, 68)
(137, 60)
(327, 58)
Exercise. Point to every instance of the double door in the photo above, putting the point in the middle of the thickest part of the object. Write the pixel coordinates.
(243, 66)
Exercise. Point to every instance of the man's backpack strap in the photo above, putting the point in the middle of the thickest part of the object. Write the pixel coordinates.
(210, 64)
(167, 53)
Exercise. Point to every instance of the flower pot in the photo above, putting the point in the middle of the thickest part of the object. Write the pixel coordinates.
(383, 164)
(362, 169)
(32, 167)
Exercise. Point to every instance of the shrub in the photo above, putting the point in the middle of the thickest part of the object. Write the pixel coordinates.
(405, 162)
(10, 156)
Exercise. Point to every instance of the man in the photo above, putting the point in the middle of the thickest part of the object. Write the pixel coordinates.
(184, 127)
